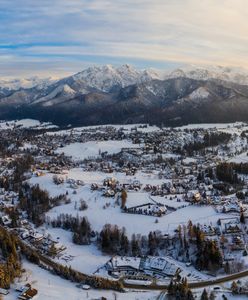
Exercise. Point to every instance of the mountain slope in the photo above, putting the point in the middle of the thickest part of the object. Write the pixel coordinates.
(122, 95)
(235, 75)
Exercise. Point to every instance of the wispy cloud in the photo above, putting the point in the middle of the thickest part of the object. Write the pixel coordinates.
(42, 36)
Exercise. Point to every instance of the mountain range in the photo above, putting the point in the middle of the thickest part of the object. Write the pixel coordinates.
(108, 94)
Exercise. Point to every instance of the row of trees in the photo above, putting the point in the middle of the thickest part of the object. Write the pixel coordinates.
(19, 167)
(241, 168)
(36, 202)
(180, 290)
(114, 241)
(211, 139)
(207, 253)
(226, 172)
(80, 227)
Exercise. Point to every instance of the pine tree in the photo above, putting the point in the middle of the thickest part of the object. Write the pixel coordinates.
(124, 243)
(204, 295)
(135, 246)
(242, 217)
(171, 288)
(190, 295)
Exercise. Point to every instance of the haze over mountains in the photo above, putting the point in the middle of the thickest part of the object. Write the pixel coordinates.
(107, 94)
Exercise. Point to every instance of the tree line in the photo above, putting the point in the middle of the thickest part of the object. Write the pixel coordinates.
(211, 139)
(10, 266)
(80, 227)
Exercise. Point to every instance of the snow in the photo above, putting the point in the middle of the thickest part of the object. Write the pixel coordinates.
(199, 93)
(137, 198)
(28, 146)
(80, 151)
(241, 158)
(171, 203)
(26, 123)
(64, 90)
(85, 258)
(233, 74)
(98, 216)
(212, 125)
(127, 128)
(53, 287)
(142, 224)
(16, 84)
(107, 77)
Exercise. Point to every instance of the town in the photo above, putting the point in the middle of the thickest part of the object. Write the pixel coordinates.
(126, 206)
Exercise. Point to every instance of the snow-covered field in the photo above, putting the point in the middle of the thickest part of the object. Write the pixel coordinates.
(26, 123)
(99, 215)
(211, 125)
(241, 158)
(102, 210)
(80, 151)
(86, 259)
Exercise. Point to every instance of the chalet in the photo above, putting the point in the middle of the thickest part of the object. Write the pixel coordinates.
(27, 292)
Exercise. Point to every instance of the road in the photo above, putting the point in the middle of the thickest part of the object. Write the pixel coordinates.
(192, 285)
(153, 286)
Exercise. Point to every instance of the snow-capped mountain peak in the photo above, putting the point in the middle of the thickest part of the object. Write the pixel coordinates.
(26, 83)
(199, 93)
(106, 78)
(232, 74)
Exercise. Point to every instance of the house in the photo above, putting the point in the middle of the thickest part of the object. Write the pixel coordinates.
(232, 206)
(36, 236)
(27, 292)
(4, 292)
(6, 220)
(197, 197)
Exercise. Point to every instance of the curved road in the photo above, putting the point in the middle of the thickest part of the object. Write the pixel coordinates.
(153, 286)
(192, 285)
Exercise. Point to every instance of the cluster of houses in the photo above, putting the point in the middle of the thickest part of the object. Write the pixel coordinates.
(231, 206)
(7, 198)
(25, 292)
(41, 241)
(110, 186)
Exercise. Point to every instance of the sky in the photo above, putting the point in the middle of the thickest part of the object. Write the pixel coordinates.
(61, 37)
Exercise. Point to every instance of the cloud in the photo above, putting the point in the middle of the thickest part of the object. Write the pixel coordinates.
(60, 32)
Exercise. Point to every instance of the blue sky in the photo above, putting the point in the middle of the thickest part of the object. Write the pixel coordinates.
(60, 37)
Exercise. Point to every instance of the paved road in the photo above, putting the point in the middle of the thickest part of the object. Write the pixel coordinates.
(153, 286)
(192, 285)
